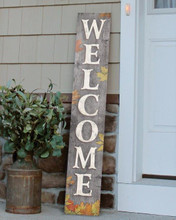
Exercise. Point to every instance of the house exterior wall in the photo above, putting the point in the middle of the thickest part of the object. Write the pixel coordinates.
(37, 41)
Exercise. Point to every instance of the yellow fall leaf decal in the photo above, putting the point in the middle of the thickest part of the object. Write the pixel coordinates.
(67, 197)
(101, 136)
(100, 148)
(69, 181)
(101, 142)
(75, 96)
(103, 75)
(95, 207)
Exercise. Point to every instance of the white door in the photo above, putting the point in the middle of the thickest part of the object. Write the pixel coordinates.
(147, 128)
(159, 128)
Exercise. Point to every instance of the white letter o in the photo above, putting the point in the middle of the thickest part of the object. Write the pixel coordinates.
(79, 131)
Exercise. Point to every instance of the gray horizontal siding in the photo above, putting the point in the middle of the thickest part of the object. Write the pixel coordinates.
(46, 49)
(51, 19)
(37, 76)
(35, 3)
(37, 43)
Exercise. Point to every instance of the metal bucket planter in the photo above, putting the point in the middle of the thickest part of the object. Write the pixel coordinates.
(24, 187)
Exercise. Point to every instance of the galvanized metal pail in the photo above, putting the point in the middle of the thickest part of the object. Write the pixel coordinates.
(24, 190)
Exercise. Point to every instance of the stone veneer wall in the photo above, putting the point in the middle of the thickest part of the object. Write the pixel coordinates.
(54, 169)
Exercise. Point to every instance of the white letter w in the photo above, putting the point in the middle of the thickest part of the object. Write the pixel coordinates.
(93, 26)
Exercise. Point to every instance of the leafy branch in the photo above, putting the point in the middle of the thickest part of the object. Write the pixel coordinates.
(31, 122)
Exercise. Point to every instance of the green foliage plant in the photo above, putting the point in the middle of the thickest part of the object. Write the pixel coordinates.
(30, 122)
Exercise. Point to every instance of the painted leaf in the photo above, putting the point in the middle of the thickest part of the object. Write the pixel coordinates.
(87, 209)
(104, 15)
(75, 96)
(96, 207)
(100, 148)
(101, 142)
(81, 209)
(81, 206)
(78, 44)
(69, 181)
(103, 75)
(101, 136)
(67, 200)
(67, 197)
(71, 207)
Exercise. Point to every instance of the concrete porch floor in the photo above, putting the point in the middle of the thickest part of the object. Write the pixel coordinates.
(54, 213)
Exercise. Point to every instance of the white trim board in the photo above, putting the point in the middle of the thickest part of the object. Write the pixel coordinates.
(127, 87)
(147, 198)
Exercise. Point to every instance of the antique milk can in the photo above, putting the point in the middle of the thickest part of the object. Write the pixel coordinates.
(24, 187)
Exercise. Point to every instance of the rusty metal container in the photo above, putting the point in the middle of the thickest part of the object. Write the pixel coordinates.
(24, 181)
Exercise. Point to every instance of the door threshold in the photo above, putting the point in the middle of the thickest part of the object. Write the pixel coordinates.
(151, 196)
(164, 177)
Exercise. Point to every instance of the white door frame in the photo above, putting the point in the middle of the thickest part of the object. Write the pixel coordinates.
(134, 193)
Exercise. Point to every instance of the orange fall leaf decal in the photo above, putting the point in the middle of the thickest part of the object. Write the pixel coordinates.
(102, 15)
(75, 97)
(78, 44)
(69, 181)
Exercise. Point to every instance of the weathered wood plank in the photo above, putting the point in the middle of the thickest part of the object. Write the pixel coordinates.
(84, 169)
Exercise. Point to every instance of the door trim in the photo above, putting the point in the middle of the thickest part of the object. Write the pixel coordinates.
(129, 167)
(134, 193)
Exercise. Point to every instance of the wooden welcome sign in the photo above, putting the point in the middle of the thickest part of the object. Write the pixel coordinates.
(84, 169)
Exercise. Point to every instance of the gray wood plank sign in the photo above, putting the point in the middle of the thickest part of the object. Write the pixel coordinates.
(84, 171)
